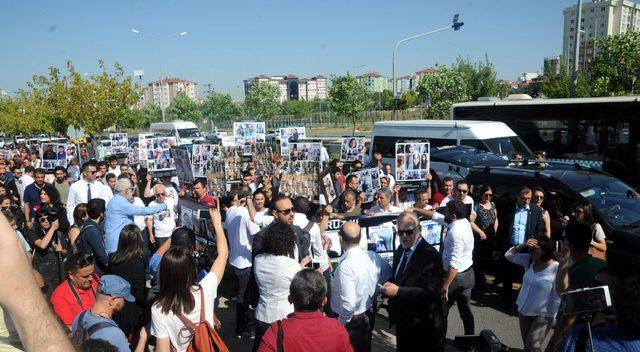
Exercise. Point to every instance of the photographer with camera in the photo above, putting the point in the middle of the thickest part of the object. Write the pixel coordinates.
(53, 207)
(50, 250)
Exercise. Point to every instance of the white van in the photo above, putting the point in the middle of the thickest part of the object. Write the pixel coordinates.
(186, 132)
(494, 137)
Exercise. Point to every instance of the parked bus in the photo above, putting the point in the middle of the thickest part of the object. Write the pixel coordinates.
(602, 133)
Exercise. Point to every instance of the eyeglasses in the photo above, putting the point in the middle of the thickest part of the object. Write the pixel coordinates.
(463, 190)
(408, 232)
(538, 197)
(488, 195)
(43, 219)
(161, 194)
(84, 261)
(285, 211)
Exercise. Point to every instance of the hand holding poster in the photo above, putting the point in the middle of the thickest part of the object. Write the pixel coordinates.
(53, 155)
(158, 155)
(308, 151)
(369, 180)
(119, 143)
(412, 161)
(352, 148)
(248, 133)
(182, 162)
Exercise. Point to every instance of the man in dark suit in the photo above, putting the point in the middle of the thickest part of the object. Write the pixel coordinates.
(519, 220)
(415, 306)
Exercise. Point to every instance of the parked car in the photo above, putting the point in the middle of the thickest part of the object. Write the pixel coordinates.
(272, 136)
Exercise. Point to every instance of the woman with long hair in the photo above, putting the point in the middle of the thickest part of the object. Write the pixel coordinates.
(80, 215)
(180, 294)
(51, 205)
(537, 301)
(583, 212)
(484, 227)
(261, 217)
(128, 263)
(538, 199)
(50, 248)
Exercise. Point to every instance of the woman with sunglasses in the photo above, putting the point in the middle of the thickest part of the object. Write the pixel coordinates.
(50, 246)
(7, 205)
(52, 205)
(484, 227)
(538, 199)
(583, 213)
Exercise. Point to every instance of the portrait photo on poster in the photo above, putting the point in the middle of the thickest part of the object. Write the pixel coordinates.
(412, 160)
(352, 148)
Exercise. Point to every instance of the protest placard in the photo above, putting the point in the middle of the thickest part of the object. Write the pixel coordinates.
(53, 155)
(353, 148)
(248, 133)
(369, 180)
(412, 161)
(119, 143)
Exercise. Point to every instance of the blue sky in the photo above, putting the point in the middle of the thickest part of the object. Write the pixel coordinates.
(229, 41)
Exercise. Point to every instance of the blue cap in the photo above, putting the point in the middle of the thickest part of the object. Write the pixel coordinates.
(115, 286)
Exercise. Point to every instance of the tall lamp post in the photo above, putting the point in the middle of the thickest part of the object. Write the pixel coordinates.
(455, 26)
(159, 40)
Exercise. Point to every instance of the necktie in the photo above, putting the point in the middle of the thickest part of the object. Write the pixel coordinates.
(88, 192)
(403, 265)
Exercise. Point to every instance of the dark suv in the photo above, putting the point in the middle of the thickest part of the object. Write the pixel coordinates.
(616, 206)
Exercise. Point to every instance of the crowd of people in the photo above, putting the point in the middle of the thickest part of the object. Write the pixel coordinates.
(111, 255)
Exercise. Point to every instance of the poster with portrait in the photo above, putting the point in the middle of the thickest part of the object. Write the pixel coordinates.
(327, 187)
(72, 151)
(203, 155)
(183, 164)
(158, 155)
(248, 133)
(369, 180)
(217, 178)
(288, 134)
(307, 151)
(300, 178)
(412, 161)
(119, 143)
(144, 144)
(432, 233)
(352, 148)
(263, 159)
(186, 217)
(381, 238)
(53, 155)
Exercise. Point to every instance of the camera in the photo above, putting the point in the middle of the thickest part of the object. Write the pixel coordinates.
(485, 342)
(585, 300)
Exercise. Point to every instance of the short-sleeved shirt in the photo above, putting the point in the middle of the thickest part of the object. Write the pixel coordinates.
(165, 325)
(112, 334)
(32, 195)
(165, 221)
(65, 303)
(583, 272)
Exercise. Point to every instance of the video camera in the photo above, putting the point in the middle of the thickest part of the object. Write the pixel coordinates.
(585, 300)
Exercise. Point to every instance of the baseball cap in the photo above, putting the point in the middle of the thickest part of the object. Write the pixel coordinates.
(115, 286)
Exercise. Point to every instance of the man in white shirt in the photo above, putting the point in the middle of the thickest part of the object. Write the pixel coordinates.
(25, 180)
(354, 288)
(240, 230)
(113, 166)
(457, 260)
(162, 224)
(461, 193)
(86, 188)
(383, 198)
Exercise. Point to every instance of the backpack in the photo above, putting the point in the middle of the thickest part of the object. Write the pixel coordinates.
(204, 338)
(80, 335)
(80, 242)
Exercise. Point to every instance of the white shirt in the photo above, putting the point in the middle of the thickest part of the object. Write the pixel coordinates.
(467, 200)
(169, 325)
(172, 192)
(538, 295)
(78, 194)
(139, 220)
(240, 229)
(273, 276)
(165, 221)
(317, 250)
(22, 183)
(115, 171)
(263, 218)
(392, 209)
(354, 285)
(458, 244)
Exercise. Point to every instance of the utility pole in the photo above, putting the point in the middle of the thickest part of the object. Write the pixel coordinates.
(209, 89)
(576, 48)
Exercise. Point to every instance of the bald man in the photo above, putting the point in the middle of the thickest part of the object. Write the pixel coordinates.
(415, 305)
(355, 287)
(162, 224)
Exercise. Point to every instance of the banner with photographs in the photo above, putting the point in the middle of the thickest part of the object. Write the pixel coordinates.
(300, 178)
(183, 164)
(303, 151)
(369, 180)
(291, 133)
(263, 160)
(119, 143)
(353, 148)
(157, 153)
(412, 161)
(217, 178)
(202, 156)
(53, 155)
(248, 133)
(144, 145)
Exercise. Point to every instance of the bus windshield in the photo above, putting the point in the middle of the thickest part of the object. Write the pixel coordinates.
(616, 202)
(188, 133)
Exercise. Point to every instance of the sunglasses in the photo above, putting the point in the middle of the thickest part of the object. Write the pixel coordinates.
(488, 195)
(84, 261)
(161, 194)
(538, 197)
(286, 211)
(463, 190)
(408, 232)
(43, 219)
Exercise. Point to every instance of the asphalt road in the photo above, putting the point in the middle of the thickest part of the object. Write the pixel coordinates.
(486, 316)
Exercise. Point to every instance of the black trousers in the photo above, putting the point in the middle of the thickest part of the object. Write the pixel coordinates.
(510, 273)
(242, 277)
(460, 293)
(261, 328)
(360, 331)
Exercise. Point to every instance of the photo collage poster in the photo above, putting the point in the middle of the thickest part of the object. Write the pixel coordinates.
(183, 164)
(144, 144)
(248, 133)
(291, 133)
(432, 233)
(217, 178)
(119, 143)
(202, 156)
(263, 159)
(53, 155)
(300, 178)
(412, 161)
(369, 180)
(158, 153)
(134, 156)
(303, 151)
(327, 187)
(353, 149)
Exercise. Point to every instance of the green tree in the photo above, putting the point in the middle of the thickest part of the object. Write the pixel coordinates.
(558, 84)
(409, 99)
(441, 90)
(349, 98)
(297, 108)
(480, 78)
(219, 107)
(183, 108)
(383, 100)
(142, 118)
(262, 101)
(615, 70)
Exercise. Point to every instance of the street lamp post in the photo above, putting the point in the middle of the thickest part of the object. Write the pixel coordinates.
(159, 40)
(455, 26)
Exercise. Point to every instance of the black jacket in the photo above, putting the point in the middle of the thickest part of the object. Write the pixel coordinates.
(535, 224)
(417, 310)
(303, 241)
(90, 242)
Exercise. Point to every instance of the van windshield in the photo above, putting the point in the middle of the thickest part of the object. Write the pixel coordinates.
(500, 145)
(188, 133)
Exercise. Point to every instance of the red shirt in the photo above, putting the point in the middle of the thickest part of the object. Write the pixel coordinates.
(309, 332)
(208, 200)
(437, 198)
(65, 303)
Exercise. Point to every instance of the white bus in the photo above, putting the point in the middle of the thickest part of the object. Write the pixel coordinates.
(186, 132)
